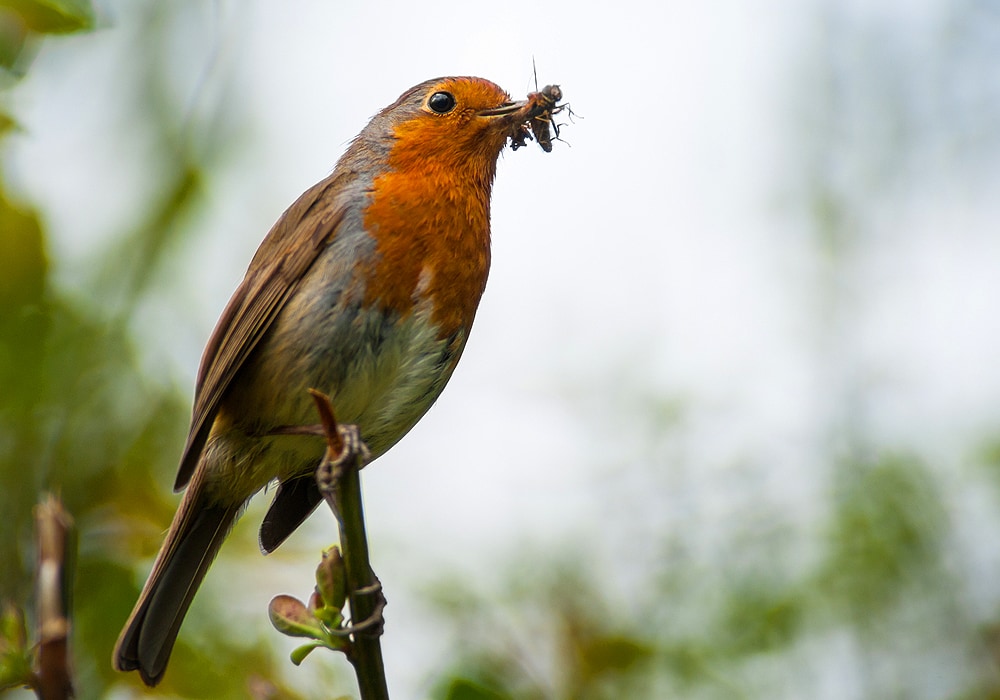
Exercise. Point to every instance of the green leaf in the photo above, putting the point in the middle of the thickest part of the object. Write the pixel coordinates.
(299, 654)
(290, 617)
(331, 617)
(333, 644)
(331, 579)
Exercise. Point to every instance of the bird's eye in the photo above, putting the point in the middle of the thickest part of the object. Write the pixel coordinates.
(441, 102)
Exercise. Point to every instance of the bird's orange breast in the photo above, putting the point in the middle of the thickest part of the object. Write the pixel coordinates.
(432, 234)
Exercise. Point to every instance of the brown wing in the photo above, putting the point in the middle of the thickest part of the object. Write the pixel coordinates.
(289, 249)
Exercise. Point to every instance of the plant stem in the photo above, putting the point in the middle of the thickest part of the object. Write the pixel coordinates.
(339, 481)
(366, 650)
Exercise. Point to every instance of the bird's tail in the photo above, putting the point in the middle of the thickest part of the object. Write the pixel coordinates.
(199, 527)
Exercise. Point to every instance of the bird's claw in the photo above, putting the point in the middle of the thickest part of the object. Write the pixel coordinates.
(352, 446)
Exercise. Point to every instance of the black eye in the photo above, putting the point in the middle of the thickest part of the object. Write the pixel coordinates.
(442, 102)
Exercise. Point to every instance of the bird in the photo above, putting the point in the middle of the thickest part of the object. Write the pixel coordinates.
(365, 289)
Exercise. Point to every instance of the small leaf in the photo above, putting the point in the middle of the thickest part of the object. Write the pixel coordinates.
(289, 616)
(331, 617)
(299, 654)
(331, 579)
(334, 644)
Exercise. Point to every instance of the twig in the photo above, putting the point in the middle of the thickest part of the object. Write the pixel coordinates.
(54, 529)
(339, 483)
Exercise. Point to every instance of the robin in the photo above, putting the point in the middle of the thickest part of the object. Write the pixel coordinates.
(366, 289)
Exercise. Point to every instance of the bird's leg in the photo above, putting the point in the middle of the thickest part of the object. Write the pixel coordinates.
(352, 447)
(353, 453)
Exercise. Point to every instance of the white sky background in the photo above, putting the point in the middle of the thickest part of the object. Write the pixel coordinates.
(662, 253)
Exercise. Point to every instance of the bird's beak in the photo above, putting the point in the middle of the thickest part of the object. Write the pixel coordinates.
(504, 110)
(514, 114)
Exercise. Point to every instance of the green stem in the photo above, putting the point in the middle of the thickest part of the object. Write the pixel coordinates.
(366, 650)
(339, 481)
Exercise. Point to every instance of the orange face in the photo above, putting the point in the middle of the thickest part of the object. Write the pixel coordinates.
(453, 122)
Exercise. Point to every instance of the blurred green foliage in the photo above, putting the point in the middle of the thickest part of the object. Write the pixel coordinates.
(16, 658)
(885, 534)
(24, 22)
(78, 417)
(882, 585)
(52, 16)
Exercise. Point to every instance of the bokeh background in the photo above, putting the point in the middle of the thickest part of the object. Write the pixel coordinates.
(728, 425)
